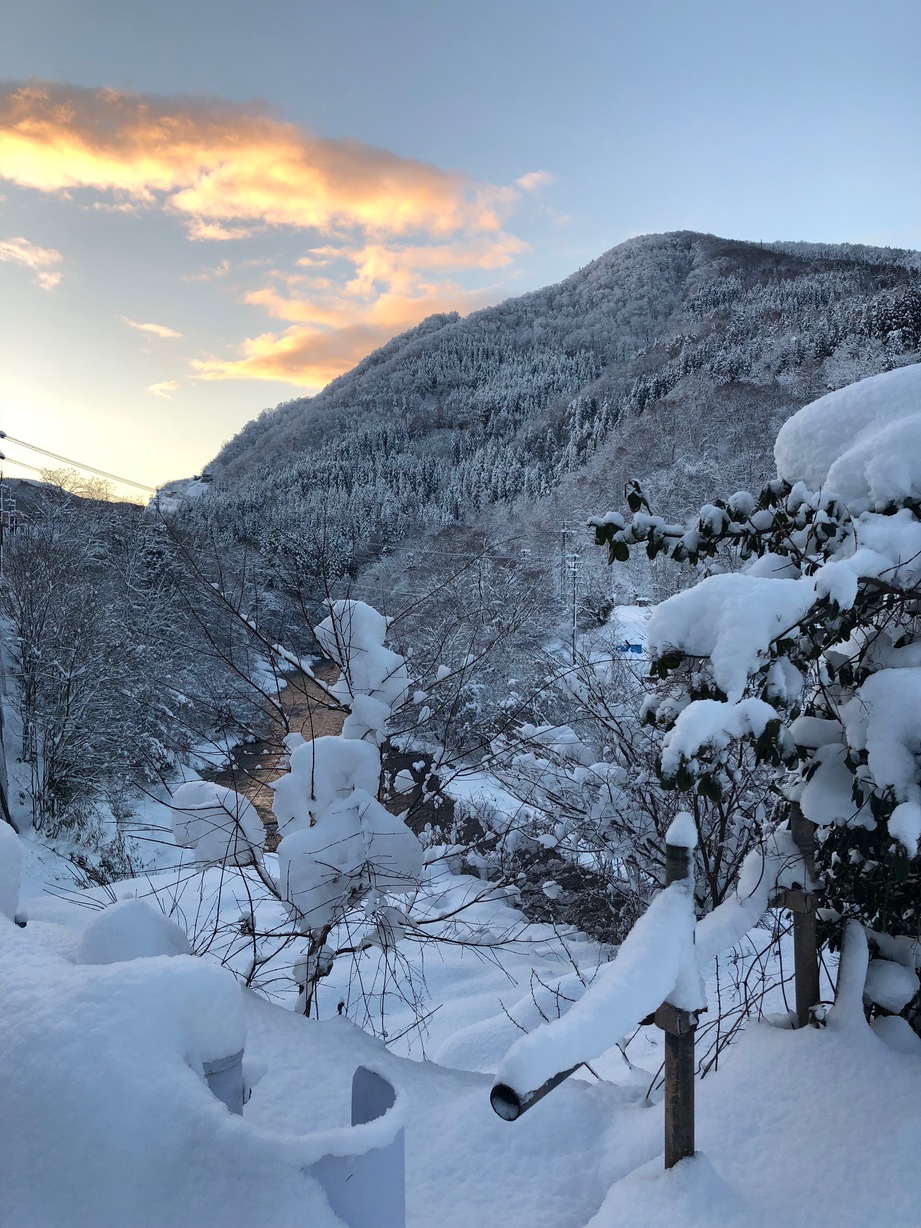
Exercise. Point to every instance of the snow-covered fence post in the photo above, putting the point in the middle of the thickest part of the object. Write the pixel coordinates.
(657, 962)
(802, 905)
(679, 1027)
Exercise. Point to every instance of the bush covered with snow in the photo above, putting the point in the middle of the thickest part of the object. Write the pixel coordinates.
(218, 823)
(341, 849)
(809, 649)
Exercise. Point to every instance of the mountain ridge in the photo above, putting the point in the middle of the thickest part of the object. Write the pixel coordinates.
(667, 353)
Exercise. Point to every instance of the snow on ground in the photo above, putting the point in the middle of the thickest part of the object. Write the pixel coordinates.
(798, 1128)
(627, 625)
(107, 1122)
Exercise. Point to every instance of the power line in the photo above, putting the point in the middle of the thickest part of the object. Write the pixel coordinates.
(11, 460)
(102, 473)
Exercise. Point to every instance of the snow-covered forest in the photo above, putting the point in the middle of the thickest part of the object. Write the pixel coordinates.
(377, 746)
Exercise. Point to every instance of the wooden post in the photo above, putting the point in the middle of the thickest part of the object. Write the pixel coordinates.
(679, 1027)
(805, 937)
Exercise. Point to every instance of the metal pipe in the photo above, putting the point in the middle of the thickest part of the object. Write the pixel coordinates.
(509, 1104)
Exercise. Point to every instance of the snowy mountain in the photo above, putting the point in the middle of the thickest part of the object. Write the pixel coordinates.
(672, 358)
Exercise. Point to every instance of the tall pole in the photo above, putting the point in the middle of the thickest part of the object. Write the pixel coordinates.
(2, 517)
(574, 606)
(679, 1027)
(805, 935)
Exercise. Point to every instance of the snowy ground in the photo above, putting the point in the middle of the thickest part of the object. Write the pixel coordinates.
(107, 1122)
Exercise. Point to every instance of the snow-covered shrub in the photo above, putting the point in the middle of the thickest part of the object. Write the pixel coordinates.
(373, 681)
(810, 653)
(341, 848)
(323, 771)
(593, 814)
(218, 823)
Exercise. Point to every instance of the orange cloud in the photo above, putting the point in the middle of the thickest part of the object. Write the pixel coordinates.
(305, 357)
(330, 340)
(164, 389)
(203, 231)
(158, 330)
(336, 323)
(40, 260)
(212, 161)
(394, 237)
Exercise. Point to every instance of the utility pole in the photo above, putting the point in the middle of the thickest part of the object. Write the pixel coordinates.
(574, 568)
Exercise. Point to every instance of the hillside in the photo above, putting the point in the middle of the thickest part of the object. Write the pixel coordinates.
(672, 358)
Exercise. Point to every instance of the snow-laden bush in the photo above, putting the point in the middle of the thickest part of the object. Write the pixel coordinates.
(218, 823)
(373, 681)
(341, 848)
(593, 814)
(810, 652)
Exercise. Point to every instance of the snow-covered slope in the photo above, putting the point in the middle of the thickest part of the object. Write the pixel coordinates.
(672, 359)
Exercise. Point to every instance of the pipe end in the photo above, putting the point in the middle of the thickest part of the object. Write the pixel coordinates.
(506, 1102)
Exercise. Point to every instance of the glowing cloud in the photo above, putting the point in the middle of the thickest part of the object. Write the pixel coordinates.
(40, 260)
(535, 180)
(208, 159)
(337, 321)
(211, 232)
(392, 237)
(338, 336)
(158, 330)
(165, 388)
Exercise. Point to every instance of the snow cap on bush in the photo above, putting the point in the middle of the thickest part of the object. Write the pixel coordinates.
(354, 846)
(374, 680)
(219, 824)
(863, 442)
(322, 772)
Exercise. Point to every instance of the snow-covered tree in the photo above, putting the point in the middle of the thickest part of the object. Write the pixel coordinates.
(341, 850)
(805, 645)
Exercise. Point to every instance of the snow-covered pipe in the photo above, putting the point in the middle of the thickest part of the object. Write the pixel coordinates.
(225, 1079)
(656, 963)
(509, 1104)
(368, 1190)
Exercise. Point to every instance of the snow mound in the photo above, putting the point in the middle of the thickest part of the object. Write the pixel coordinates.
(217, 823)
(890, 985)
(863, 442)
(131, 929)
(106, 1116)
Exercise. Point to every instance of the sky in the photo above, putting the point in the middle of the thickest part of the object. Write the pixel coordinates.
(209, 206)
